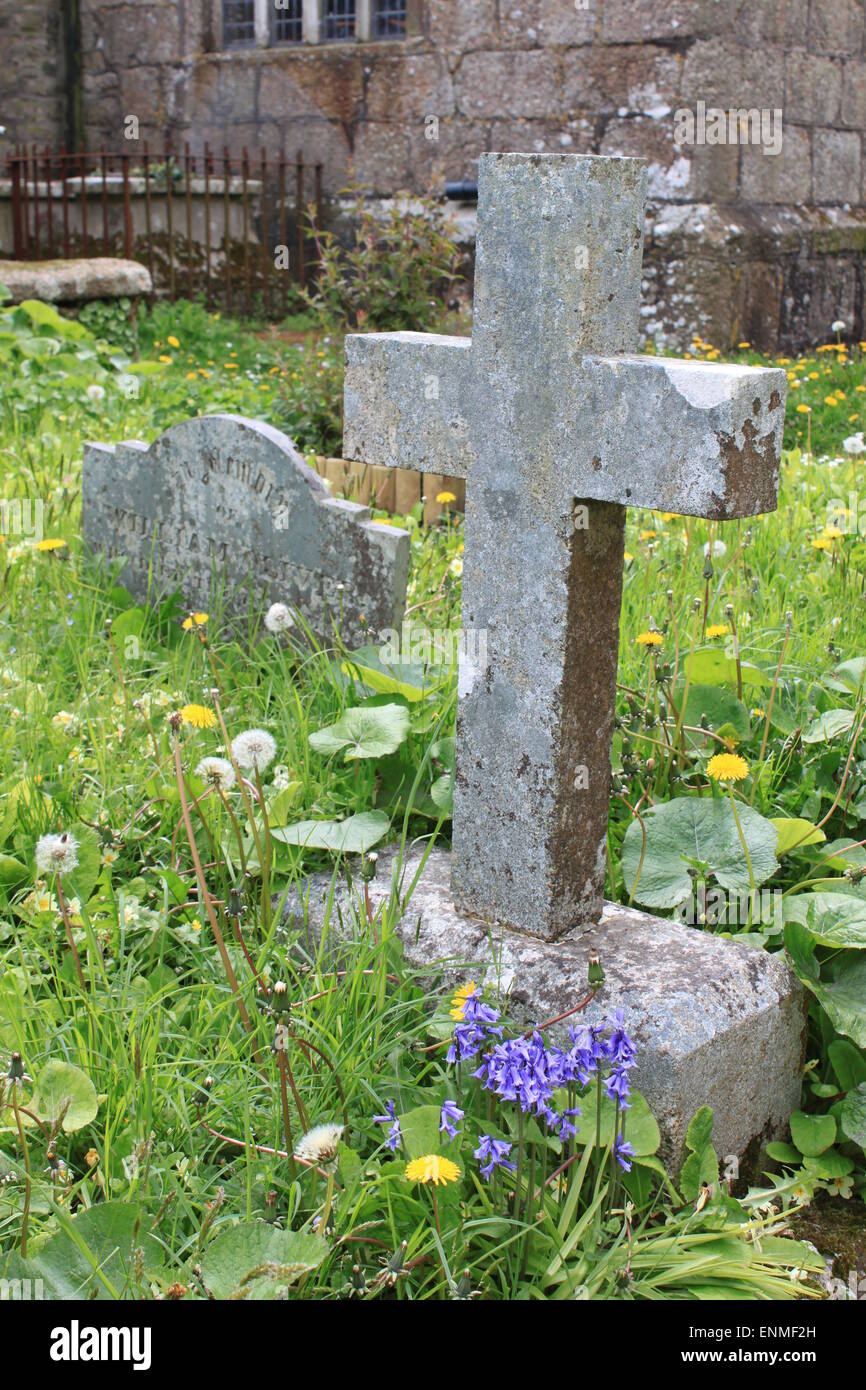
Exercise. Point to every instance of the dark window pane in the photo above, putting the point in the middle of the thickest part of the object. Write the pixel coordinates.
(338, 19)
(239, 23)
(288, 21)
(389, 19)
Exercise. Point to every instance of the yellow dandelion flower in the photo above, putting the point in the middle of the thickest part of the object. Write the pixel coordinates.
(172, 341)
(459, 997)
(830, 400)
(432, 1168)
(164, 358)
(648, 535)
(231, 366)
(445, 497)
(744, 345)
(832, 533)
(51, 544)
(727, 767)
(191, 376)
(194, 620)
(628, 557)
(199, 716)
(804, 409)
(649, 639)
(758, 713)
(822, 543)
(718, 630)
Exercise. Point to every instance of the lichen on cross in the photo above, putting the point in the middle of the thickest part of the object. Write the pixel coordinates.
(557, 425)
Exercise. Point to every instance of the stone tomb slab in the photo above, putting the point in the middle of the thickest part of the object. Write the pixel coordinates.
(715, 1023)
(222, 503)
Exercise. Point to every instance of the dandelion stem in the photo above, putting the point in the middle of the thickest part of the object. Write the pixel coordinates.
(64, 912)
(25, 1152)
(287, 1123)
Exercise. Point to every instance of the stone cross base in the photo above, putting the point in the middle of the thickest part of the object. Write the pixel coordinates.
(715, 1023)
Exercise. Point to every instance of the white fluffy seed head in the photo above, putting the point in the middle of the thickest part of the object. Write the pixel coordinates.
(320, 1145)
(218, 771)
(255, 749)
(278, 618)
(56, 854)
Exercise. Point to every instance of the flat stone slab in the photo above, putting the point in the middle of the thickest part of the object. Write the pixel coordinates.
(715, 1022)
(72, 282)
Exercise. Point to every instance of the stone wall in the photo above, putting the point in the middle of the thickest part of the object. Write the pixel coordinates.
(33, 97)
(741, 243)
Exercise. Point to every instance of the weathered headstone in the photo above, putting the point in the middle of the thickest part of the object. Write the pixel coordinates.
(557, 426)
(225, 504)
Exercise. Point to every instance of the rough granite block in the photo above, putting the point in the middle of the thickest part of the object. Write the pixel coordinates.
(715, 1022)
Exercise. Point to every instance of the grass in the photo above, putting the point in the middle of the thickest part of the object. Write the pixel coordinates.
(178, 1166)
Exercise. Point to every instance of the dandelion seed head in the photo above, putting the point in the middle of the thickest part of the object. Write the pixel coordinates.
(56, 854)
(255, 748)
(219, 771)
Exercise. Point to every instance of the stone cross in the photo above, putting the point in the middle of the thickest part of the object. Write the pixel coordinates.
(557, 426)
(222, 503)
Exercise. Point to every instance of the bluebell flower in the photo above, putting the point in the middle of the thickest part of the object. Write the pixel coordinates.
(624, 1152)
(479, 1023)
(449, 1116)
(620, 1048)
(494, 1153)
(617, 1086)
(394, 1137)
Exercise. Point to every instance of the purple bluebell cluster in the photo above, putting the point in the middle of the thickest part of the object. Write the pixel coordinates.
(528, 1071)
(493, 1153)
(449, 1117)
(479, 1023)
(389, 1118)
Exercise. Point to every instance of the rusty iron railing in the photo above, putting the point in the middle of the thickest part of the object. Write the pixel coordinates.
(206, 224)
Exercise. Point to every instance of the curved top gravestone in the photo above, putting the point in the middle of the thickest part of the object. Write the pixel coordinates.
(222, 504)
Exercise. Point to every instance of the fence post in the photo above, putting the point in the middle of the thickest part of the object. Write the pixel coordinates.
(64, 193)
(17, 230)
(169, 219)
(207, 224)
(127, 208)
(106, 245)
(147, 217)
(49, 203)
(299, 214)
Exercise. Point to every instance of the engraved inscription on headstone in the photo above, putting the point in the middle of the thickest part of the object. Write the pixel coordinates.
(225, 504)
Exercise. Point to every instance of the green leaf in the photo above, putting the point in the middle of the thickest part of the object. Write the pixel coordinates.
(852, 1115)
(420, 1131)
(828, 725)
(812, 1133)
(830, 1164)
(46, 316)
(231, 1263)
(699, 1168)
(850, 673)
(784, 1153)
(12, 871)
(92, 1256)
(282, 803)
(354, 835)
(689, 828)
(60, 1083)
(710, 666)
(641, 1129)
(89, 867)
(721, 707)
(700, 1131)
(795, 834)
(834, 919)
(848, 1062)
(442, 792)
(364, 732)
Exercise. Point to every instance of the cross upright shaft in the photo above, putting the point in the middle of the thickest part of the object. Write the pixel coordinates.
(556, 426)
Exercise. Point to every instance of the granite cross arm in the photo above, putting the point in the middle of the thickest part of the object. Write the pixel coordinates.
(557, 425)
